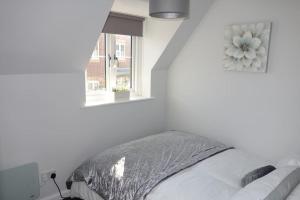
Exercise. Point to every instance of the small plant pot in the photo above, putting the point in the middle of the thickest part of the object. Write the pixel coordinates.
(122, 96)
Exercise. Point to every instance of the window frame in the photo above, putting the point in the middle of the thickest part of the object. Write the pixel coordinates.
(119, 53)
(135, 66)
(102, 90)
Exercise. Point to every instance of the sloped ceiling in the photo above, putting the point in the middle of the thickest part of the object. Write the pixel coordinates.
(133, 7)
(49, 36)
(58, 36)
(198, 9)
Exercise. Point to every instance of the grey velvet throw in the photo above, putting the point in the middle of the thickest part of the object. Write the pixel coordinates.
(130, 171)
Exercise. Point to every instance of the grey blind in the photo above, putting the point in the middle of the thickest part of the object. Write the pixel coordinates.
(118, 23)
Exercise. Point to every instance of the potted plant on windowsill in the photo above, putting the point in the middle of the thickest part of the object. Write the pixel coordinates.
(121, 94)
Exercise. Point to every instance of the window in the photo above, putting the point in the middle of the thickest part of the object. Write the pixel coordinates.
(115, 63)
(95, 69)
(120, 49)
(116, 59)
(121, 63)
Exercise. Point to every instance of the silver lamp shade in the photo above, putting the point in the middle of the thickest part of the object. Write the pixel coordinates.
(169, 9)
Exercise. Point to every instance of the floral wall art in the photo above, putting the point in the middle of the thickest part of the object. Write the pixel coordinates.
(246, 47)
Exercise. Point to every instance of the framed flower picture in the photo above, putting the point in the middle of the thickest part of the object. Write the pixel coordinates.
(246, 47)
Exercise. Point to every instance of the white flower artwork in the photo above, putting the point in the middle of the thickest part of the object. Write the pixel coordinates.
(247, 47)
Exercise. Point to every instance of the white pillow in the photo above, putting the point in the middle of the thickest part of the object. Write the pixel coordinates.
(292, 160)
(276, 185)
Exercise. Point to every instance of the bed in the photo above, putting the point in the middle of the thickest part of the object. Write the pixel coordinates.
(216, 177)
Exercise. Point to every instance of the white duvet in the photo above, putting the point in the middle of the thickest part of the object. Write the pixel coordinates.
(295, 195)
(216, 178)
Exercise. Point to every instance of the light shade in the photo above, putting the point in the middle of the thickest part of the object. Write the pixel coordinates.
(169, 9)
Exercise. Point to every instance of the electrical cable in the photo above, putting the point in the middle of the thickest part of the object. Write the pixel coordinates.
(53, 178)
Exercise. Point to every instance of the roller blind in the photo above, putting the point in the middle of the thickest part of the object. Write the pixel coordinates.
(118, 23)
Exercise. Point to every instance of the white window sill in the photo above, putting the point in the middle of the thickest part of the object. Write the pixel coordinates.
(109, 100)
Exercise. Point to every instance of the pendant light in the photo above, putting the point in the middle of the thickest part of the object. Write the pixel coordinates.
(169, 9)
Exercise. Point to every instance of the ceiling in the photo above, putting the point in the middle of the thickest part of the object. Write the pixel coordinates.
(49, 36)
(133, 7)
(54, 36)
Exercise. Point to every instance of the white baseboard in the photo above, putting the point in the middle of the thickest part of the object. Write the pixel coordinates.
(56, 196)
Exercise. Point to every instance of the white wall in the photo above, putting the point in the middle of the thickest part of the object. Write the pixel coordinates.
(157, 35)
(42, 120)
(198, 9)
(257, 112)
(133, 7)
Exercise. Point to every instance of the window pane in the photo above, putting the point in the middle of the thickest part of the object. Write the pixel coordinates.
(123, 53)
(95, 69)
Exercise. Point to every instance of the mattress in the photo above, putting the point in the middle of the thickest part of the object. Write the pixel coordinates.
(216, 178)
